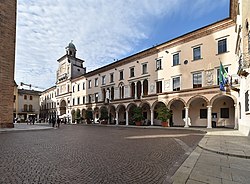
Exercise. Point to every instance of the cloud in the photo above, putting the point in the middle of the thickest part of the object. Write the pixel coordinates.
(102, 30)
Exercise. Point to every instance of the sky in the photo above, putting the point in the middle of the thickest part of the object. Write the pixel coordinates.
(101, 30)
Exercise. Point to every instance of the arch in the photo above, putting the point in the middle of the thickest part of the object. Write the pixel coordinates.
(73, 112)
(120, 106)
(146, 112)
(221, 95)
(196, 97)
(62, 107)
(156, 102)
(84, 113)
(223, 110)
(130, 105)
(112, 114)
(130, 110)
(176, 106)
(176, 99)
(145, 103)
(121, 109)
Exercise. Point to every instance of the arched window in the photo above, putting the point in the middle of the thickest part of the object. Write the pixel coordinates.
(121, 90)
(30, 108)
(25, 107)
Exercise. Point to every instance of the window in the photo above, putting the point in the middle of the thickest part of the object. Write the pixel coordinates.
(96, 97)
(83, 100)
(31, 97)
(197, 80)
(247, 101)
(222, 46)
(158, 64)
(78, 100)
(30, 108)
(89, 83)
(111, 77)
(159, 87)
(73, 89)
(25, 97)
(196, 53)
(73, 101)
(83, 85)
(144, 68)
(96, 82)
(203, 113)
(218, 75)
(224, 113)
(14, 98)
(176, 60)
(121, 75)
(25, 107)
(104, 80)
(132, 72)
(176, 84)
(89, 98)
(78, 87)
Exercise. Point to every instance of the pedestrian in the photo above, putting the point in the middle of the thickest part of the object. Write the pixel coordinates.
(33, 120)
(53, 121)
(58, 122)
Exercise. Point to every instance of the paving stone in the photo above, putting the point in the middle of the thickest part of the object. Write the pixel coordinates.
(204, 178)
(90, 154)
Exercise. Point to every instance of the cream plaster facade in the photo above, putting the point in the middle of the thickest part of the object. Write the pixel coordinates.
(181, 74)
(27, 104)
(243, 57)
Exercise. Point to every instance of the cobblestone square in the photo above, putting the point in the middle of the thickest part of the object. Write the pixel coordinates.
(94, 154)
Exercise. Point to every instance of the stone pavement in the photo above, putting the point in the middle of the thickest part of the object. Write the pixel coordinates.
(25, 127)
(222, 156)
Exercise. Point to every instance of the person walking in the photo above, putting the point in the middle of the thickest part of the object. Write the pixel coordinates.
(58, 121)
(53, 121)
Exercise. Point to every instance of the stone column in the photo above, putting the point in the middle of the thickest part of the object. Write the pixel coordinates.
(236, 115)
(152, 117)
(135, 90)
(209, 116)
(186, 117)
(116, 118)
(126, 117)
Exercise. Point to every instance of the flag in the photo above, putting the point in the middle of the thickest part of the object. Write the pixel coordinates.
(223, 77)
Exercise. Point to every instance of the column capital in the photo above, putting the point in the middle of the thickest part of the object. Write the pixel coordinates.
(186, 107)
(209, 106)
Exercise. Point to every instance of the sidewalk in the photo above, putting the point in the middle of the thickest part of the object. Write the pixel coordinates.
(222, 156)
(25, 127)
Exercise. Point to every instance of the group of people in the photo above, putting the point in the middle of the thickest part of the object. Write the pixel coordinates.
(55, 122)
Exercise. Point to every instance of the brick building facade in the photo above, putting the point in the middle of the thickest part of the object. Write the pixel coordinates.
(7, 60)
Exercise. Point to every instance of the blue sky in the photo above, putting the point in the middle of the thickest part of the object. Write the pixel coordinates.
(102, 30)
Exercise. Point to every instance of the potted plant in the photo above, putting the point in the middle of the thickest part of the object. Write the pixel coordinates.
(137, 115)
(104, 116)
(164, 114)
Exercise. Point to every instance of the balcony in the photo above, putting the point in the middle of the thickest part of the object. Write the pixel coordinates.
(244, 63)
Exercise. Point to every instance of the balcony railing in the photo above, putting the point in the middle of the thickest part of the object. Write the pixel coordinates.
(244, 63)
